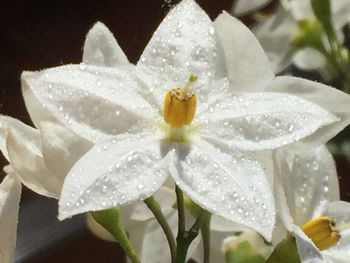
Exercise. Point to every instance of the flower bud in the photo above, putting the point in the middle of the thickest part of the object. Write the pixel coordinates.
(247, 247)
(309, 35)
(98, 230)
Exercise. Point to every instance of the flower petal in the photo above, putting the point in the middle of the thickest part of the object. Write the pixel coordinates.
(94, 102)
(247, 64)
(301, 9)
(29, 136)
(308, 252)
(184, 44)
(340, 211)
(164, 196)
(275, 36)
(256, 121)
(113, 173)
(102, 49)
(242, 7)
(154, 244)
(309, 59)
(340, 253)
(341, 13)
(331, 99)
(309, 181)
(37, 112)
(10, 194)
(228, 183)
(61, 148)
(30, 167)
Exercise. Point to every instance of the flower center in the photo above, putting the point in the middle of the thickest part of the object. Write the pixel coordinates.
(322, 232)
(180, 105)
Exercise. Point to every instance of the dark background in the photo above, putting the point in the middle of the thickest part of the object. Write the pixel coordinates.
(47, 33)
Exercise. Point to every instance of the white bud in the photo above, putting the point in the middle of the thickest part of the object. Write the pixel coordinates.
(254, 239)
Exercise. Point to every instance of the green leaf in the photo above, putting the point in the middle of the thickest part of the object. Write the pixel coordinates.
(323, 12)
(285, 252)
(243, 254)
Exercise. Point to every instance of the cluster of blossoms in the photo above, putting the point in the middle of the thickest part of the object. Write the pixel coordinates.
(200, 128)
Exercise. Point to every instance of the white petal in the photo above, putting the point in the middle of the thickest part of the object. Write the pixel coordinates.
(339, 210)
(220, 224)
(242, 7)
(116, 172)
(155, 248)
(94, 102)
(341, 13)
(184, 44)
(38, 113)
(166, 199)
(61, 148)
(10, 193)
(309, 59)
(301, 9)
(216, 255)
(340, 253)
(308, 252)
(29, 136)
(102, 49)
(246, 61)
(228, 183)
(30, 167)
(331, 99)
(284, 214)
(256, 121)
(309, 181)
(275, 36)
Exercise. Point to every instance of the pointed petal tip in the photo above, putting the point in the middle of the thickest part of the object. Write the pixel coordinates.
(98, 26)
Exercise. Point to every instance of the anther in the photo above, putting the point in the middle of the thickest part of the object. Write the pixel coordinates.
(322, 232)
(180, 105)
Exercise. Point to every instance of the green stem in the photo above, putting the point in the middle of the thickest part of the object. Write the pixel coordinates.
(205, 230)
(157, 212)
(184, 241)
(110, 220)
(181, 212)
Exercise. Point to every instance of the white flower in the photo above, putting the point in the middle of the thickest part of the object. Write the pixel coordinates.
(40, 157)
(307, 188)
(119, 109)
(277, 33)
(241, 7)
(10, 194)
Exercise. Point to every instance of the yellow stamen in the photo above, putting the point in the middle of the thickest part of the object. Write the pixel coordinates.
(180, 105)
(322, 232)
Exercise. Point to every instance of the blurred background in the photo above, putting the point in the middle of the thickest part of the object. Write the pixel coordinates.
(39, 34)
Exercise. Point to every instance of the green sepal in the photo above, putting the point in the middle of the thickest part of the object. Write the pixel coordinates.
(285, 252)
(322, 10)
(244, 253)
(110, 220)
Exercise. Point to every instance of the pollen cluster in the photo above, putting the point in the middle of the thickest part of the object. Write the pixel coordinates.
(180, 105)
(321, 231)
